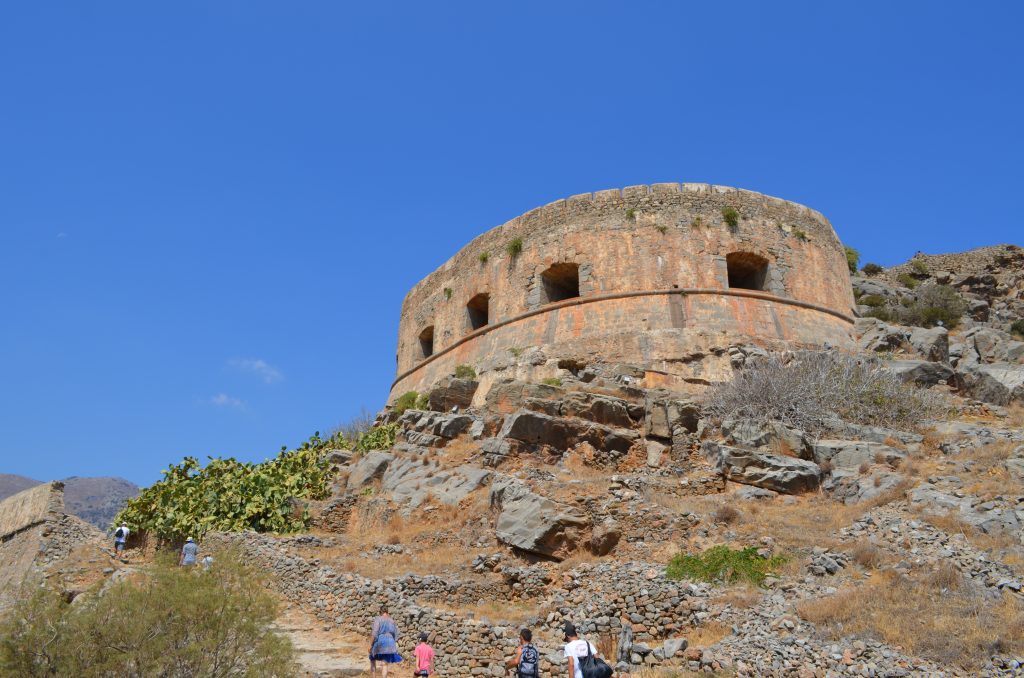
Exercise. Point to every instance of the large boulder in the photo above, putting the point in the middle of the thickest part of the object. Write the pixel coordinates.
(601, 409)
(369, 467)
(993, 346)
(665, 414)
(770, 436)
(999, 384)
(532, 523)
(412, 482)
(851, 454)
(787, 475)
(874, 335)
(852, 487)
(537, 428)
(920, 372)
(452, 392)
(932, 343)
(505, 397)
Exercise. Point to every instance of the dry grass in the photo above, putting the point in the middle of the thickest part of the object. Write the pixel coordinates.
(727, 515)
(513, 612)
(707, 634)
(926, 615)
(739, 597)
(867, 555)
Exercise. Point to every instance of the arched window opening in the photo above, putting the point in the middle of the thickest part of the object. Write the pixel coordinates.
(478, 310)
(427, 342)
(560, 282)
(747, 271)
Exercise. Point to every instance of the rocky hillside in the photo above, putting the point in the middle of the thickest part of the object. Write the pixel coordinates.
(95, 500)
(821, 514)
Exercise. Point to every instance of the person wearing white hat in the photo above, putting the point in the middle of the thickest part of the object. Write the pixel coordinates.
(189, 552)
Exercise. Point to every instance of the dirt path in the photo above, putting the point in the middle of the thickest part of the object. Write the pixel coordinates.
(322, 653)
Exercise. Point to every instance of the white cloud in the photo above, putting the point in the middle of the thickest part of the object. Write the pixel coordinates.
(261, 368)
(224, 400)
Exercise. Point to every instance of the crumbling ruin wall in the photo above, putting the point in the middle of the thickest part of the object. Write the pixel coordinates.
(26, 520)
(650, 276)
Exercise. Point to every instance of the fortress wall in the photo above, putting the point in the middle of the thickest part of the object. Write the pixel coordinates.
(31, 507)
(671, 333)
(639, 239)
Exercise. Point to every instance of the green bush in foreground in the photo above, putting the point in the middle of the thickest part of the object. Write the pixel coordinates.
(1017, 328)
(872, 269)
(404, 402)
(170, 622)
(465, 372)
(731, 216)
(721, 563)
(378, 438)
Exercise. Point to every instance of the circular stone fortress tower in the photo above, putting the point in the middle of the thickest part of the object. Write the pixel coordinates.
(660, 281)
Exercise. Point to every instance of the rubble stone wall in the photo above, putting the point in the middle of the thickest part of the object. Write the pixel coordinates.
(652, 266)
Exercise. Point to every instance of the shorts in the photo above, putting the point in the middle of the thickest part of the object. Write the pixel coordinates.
(421, 673)
(119, 546)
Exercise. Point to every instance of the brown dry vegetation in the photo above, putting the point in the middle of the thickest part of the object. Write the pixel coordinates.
(508, 611)
(708, 634)
(927, 615)
(739, 597)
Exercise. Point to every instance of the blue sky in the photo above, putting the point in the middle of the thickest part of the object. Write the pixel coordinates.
(210, 211)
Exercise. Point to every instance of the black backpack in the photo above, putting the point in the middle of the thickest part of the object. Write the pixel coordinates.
(593, 666)
(529, 661)
(119, 534)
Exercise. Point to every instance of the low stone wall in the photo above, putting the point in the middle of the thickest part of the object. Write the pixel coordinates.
(600, 599)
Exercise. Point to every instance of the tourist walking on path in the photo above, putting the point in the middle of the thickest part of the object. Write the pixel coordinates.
(424, 657)
(383, 643)
(526, 660)
(575, 650)
(188, 553)
(120, 537)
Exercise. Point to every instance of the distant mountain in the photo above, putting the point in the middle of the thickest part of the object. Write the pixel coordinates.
(12, 484)
(95, 500)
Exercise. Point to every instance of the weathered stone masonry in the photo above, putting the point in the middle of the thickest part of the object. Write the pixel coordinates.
(651, 276)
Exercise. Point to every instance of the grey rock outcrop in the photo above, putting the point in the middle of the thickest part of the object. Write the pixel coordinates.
(452, 392)
(920, 372)
(874, 335)
(1000, 383)
(851, 454)
(787, 475)
(369, 467)
(533, 523)
(931, 343)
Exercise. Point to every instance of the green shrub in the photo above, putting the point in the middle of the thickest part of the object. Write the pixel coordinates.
(919, 266)
(514, 247)
(723, 564)
(465, 372)
(484, 256)
(447, 293)
(871, 269)
(731, 216)
(799, 234)
(908, 280)
(631, 214)
(404, 402)
(1017, 327)
(170, 621)
(697, 222)
(852, 257)
(422, 402)
(231, 495)
(881, 312)
(378, 438)
(662, 228)
(551, 381)
(931, 304)
(516, 351)
(874, 300)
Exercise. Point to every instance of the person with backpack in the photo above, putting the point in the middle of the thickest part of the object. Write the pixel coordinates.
(526, 660)
(424, 658)
(120, 537)
(582, 656)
